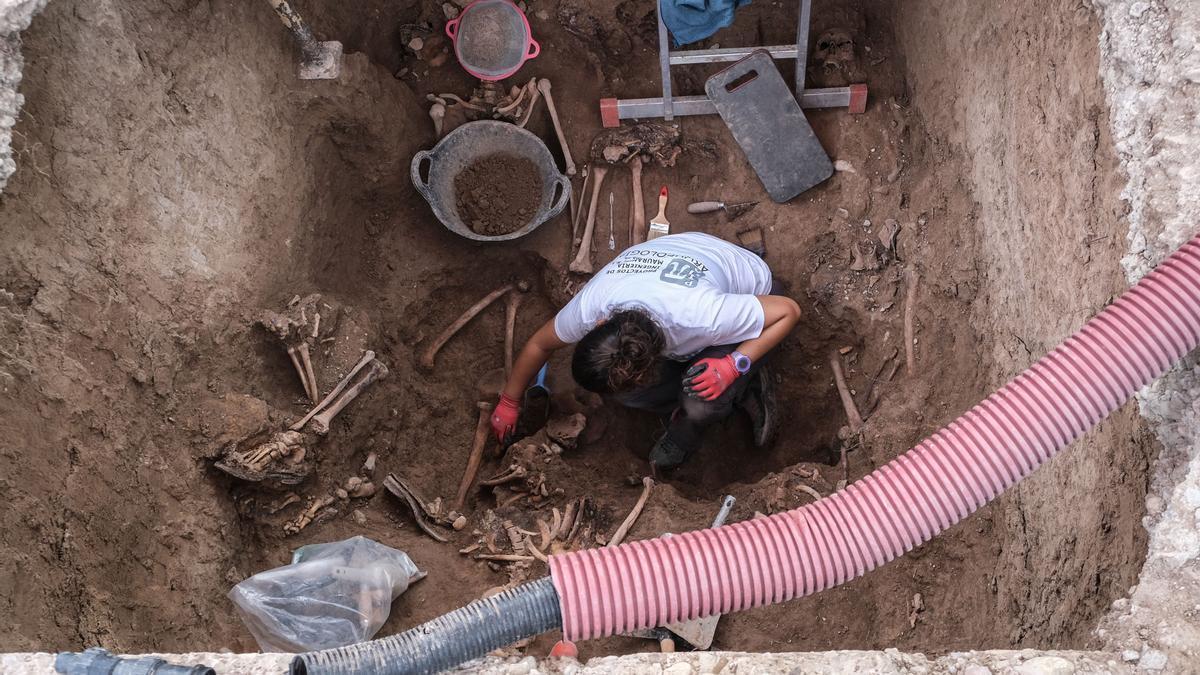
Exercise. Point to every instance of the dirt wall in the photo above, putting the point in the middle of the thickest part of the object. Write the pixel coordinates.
(162, 148)
(1014, 91)
(1151, 71)
(176, 177)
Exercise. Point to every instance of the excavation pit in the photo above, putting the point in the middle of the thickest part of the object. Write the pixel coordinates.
(167, 192)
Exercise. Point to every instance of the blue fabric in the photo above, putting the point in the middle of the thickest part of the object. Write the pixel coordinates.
(692, 20)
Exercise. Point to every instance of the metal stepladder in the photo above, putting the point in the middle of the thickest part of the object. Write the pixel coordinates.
(612, 110)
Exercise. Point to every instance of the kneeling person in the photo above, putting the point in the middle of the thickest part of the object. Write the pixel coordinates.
(679, 326)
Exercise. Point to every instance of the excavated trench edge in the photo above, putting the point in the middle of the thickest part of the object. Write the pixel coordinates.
(1140, 67)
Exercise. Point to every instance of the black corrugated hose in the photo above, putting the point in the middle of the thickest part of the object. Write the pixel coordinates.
(447, 641)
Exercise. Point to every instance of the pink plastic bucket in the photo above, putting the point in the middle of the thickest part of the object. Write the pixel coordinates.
(492, 39)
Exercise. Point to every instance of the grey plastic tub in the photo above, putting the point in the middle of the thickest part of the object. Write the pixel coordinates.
(471, 141)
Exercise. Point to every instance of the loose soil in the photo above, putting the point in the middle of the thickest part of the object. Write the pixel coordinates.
(498, 194)
(168, 192)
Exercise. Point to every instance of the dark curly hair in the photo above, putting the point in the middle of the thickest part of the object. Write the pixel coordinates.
(619, 355)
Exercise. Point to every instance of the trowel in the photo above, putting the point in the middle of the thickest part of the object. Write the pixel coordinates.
(697, 633)
(318, 60)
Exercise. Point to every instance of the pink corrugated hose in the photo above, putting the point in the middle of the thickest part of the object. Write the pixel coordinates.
(905, 502)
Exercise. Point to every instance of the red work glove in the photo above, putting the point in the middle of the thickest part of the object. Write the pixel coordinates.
(504, 417)
(709, 378)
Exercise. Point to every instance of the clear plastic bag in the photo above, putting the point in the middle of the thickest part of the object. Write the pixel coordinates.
(332, 595)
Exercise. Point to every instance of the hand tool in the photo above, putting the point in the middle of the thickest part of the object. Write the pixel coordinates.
(659, 225)
(536, 404)
(612, 241)
(732, 210)
(698, 632)
(318, 60)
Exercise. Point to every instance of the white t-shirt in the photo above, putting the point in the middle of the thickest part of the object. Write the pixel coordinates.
(699, 289)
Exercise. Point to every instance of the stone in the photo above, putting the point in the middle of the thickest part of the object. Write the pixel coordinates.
(1152, 659)
(681, 668)
(449, 10)
(977, 670)
(1130, 655)
(1046, 665)
(707, 663)
(359, 517)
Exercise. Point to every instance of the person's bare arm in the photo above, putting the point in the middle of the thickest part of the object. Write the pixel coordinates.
(781, 316)
(533, 356)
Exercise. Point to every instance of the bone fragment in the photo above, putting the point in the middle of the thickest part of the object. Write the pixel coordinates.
(534, 96)
(376, 370)
(291, 350)
(582, 263)
(427, 357)
(482, 427)
(515, 472)
(619, 535)
(856, 422)
(399, 489)
(575, 216)
(555, 523)
(543, 85)
(358, 488)
(304, 519)
(437, 113)
(911, 279)
(511, 302)
(280, 445)
(313, 391)
(808, 491)
(367, 358)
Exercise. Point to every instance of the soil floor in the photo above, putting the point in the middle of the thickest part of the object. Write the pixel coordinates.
(170, 191)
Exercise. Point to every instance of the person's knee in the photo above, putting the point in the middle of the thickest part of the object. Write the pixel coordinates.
(706, 412)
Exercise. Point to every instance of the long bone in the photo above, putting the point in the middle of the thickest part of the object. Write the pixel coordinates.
(367, 358)
(376, 370)
(427, 357)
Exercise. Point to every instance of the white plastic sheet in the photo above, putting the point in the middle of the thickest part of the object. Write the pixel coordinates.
(332, 595)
